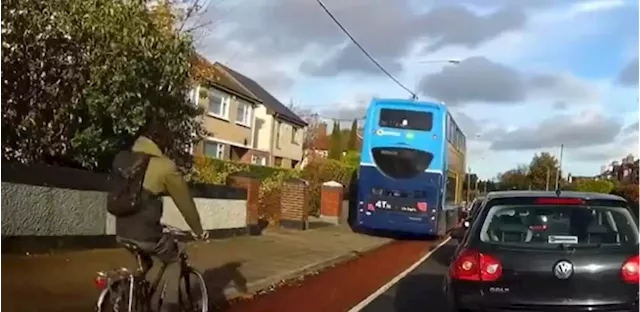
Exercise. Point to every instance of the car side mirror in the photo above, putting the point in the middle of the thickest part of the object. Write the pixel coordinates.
(458, 233)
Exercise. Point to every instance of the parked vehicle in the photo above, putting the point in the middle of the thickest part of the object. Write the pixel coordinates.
(546, 251)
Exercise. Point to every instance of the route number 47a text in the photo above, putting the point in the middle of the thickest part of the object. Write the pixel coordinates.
(382, 204)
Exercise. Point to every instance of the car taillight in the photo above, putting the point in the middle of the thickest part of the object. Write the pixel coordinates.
(629, 270)
(559, 201)
(472, 265)
(538, 227)
(101, 280)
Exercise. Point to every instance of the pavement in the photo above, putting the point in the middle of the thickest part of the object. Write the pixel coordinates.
(63, 281)
(421, 289)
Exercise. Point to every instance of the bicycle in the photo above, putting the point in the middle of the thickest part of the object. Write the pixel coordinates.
(124, 290)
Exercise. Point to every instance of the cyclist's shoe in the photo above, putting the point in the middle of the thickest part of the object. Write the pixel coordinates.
(204, 236)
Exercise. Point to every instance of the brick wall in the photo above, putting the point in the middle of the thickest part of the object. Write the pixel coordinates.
(252, 185)
(294, 204)
(331, 200)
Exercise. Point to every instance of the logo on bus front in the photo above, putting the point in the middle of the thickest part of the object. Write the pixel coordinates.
(382, 132)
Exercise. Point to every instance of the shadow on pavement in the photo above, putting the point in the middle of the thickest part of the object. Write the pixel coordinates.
(218, 279)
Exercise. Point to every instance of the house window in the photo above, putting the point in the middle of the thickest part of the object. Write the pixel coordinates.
(294, 135)
(214, 150)
(258, 160)
(243, 115)
(218, 104)
(278, 126)
(277, 162)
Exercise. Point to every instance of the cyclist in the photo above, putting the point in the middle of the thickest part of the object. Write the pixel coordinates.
(143, 228)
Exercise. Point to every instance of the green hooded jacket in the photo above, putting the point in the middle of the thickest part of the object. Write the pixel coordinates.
(161, 178)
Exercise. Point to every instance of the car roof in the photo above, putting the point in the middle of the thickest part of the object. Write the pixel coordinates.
(565, 194)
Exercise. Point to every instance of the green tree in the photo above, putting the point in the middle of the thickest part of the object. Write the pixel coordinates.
(514, 179)
(351, 159)
(542, 171)
(352, 144)
(592, 185)
(82, 77)
(335, 150)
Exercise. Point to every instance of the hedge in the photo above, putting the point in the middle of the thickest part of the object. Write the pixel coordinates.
(324, 170)
(216, 171)
(630, 193)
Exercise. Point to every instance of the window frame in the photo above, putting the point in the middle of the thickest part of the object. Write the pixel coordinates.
(294, 135)
(220, 149)
(224, 104)
(246, 112)
(278, 132)
(254, 159)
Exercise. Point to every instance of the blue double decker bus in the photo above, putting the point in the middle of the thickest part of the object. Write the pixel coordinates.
(404, 173)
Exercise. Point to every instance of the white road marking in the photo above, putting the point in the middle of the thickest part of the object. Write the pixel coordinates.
(396, 279)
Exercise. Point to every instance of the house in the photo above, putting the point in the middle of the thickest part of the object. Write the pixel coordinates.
(277, 130)
(229, 115)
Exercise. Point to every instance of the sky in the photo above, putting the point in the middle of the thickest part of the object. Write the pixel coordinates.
(533, 74)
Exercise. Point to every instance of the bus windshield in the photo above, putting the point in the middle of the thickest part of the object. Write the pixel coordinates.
(406, 119)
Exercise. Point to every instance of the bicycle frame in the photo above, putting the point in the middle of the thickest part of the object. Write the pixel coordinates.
(136, 279)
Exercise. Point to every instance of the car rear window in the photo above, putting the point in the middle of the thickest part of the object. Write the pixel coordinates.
(401, 163)
(544, 226)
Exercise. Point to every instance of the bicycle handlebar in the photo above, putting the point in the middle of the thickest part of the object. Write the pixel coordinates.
(175, 230)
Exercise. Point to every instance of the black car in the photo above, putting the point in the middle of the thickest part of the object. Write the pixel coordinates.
(546, 251)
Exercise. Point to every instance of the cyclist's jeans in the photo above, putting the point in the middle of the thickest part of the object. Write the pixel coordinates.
(167, 251)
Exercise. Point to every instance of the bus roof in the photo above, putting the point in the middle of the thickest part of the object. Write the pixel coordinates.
(404, 102)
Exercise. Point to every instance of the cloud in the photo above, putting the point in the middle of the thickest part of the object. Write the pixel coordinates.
(387, 29)
(629, 74)
(632, 128)
(584, 130)
(475, 79)
(478, 79)
(560, 105)
(596, 5)
(354, 107)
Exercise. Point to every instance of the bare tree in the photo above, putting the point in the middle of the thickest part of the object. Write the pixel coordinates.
(310, 132)
(189, 16)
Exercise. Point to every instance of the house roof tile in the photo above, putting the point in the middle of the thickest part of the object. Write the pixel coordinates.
(204, 71)
(267, 99)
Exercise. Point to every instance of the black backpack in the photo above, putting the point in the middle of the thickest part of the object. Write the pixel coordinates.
(125, 183)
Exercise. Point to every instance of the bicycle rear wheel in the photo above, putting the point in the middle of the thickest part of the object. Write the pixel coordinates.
(193, 294)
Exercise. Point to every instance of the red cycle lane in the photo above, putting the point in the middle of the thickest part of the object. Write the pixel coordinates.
(343, 286)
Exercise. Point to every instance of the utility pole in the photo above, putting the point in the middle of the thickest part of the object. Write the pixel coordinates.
(559, 167)
(548, 177)
(468, 183)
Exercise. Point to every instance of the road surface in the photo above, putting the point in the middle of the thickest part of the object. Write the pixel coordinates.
(420, 290)
(346, 285)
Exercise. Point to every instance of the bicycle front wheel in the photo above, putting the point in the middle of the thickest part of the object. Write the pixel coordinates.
(193, 294)
(114, 298)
